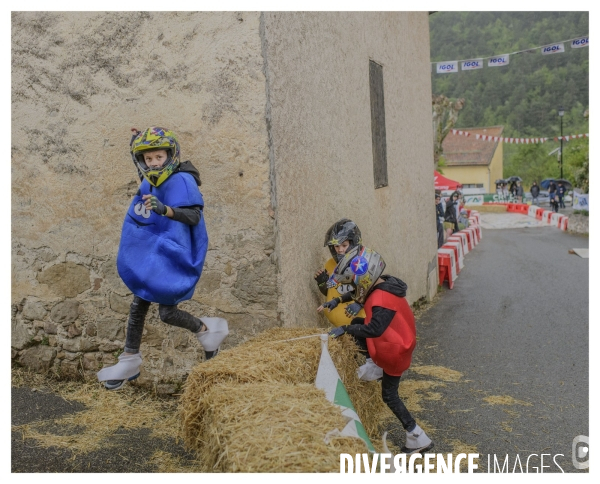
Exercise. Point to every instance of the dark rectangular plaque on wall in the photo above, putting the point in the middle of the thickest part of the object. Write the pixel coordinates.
(378, 125)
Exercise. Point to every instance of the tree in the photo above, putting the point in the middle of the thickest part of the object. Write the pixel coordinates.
(445, 115)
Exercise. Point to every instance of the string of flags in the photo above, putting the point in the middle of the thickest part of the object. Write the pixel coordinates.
(503, 139)
(446, 67)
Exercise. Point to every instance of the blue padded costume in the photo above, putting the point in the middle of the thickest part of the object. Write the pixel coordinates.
(160, 259)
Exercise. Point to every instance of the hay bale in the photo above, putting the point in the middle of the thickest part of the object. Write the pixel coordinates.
(265, 359)
(271, 427)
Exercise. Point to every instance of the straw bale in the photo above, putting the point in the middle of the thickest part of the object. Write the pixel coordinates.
(272, 427)
(269, 360)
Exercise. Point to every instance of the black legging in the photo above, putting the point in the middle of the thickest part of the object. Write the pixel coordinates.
(168, 314)
(389, 387)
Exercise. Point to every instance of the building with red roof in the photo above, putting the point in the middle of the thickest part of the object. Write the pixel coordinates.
(474, 160)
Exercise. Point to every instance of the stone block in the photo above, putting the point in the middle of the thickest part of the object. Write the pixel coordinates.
(38, 358)
(155, 335)
(92, 361)
(120, 304)
(50, 327)
(112, 278)
(65, 312)
(70, 368)
(73, 330)
(110, 329)
(19, 335)
(34, 309)
(66, 279)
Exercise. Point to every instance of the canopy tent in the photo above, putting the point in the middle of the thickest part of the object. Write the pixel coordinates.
(443, 183)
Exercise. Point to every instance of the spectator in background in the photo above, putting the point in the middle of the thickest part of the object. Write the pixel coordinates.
(561, 192)
(439, 216)
(504, 192)
(513, 189)
(535, 193)
(519, 192)
(452, 213)
(552, 193)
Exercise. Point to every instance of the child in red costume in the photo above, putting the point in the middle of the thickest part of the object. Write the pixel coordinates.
(387, 334)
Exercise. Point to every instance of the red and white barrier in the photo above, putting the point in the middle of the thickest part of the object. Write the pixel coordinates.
(457, 244)
(548, 216)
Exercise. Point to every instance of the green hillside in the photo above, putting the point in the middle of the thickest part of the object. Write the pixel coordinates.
(523, 96)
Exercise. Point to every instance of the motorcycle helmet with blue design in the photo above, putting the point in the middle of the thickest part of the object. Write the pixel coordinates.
(360, 267)
(152, 139)
(342, 230)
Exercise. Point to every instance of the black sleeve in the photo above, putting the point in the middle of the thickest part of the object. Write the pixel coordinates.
(347, 297)
(187, 215)
(380, 320)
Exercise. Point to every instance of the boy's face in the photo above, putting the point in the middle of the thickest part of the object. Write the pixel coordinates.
(343, 247)
(155, 159)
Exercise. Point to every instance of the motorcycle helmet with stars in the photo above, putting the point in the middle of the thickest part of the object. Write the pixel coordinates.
(152, 139)
(360, 267)
(342, 230)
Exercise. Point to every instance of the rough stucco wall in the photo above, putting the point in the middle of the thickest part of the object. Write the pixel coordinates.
(80, 81)
(318, 85)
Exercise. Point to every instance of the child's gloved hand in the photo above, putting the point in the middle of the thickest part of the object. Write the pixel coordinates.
(154, 204)
(337, 332)
(331, 305)
(353, 309)
(321, 277)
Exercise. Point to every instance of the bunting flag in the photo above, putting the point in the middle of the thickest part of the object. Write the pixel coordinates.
(446, 67)
(501, 139)
(328, 380)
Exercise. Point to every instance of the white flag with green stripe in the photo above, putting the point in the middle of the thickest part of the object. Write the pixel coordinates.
(329, 380)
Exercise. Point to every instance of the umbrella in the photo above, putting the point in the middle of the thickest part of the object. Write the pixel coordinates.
(546, 183)
(499, 181)
(513, 179)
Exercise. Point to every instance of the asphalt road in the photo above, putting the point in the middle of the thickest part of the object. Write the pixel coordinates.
(516, 325)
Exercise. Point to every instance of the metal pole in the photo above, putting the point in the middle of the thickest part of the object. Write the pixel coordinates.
(561, 148)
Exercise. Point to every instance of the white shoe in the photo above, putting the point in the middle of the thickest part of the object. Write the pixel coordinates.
(126, 369)
(417, 441)
(369, 371)
(216, 331)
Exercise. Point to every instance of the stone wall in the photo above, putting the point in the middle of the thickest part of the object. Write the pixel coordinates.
(274, 111)
(80, 81)
(579, 224)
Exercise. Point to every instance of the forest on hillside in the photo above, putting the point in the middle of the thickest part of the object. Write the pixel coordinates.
(525, 95)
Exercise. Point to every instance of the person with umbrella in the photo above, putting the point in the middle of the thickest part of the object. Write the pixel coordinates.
(519, 192)
(535, 193)
(552, 192)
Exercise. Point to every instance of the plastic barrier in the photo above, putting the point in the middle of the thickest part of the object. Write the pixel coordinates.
(546, 216)
(447, 266)
(523, 208)
(463, 239)
(458, 252)
(475, 214)
(555, 218)
(473, 233)
(564, 223)
(532, 210)
(539, 213)
(470, 240)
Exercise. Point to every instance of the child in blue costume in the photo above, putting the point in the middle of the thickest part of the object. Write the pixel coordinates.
(162, 250)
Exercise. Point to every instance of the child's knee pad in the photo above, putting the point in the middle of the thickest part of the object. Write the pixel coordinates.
(127, 366)
(217, 330)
